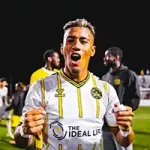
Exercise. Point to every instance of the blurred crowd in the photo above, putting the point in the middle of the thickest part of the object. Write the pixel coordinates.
(144, 83)
(11, 105)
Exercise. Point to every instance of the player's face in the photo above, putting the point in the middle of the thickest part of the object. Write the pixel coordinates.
(78, 47)
(55, 60)
(109, 59)
(4, 83)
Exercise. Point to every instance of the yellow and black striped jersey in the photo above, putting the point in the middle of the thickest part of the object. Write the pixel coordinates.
(75, 111)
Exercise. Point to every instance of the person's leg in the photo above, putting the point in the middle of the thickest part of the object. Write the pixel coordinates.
(9, 131)
(7, 116)
(32, 147)
(1, 114)
(15, 120)
(108, 142)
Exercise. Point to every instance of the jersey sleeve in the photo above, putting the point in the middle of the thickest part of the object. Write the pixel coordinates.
(133, 91)
(112, 100)
(33, 98)
(33, 78)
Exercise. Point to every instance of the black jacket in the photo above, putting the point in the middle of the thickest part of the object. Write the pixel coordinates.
(125, 82)
(17, 102)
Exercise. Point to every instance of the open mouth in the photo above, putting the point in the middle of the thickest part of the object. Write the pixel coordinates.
(75, 56)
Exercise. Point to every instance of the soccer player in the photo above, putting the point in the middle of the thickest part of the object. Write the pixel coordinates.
(52, 63)
(69, 107)
(125, 82)
(3, 104)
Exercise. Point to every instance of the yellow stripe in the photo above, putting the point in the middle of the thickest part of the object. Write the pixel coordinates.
(39, 142)
(43, 93)
(79, 147)
(94, 147)
(79, 103)
(97, 100)
(97, 108)
(47, 146)
(101, 144)
(105, 87)
(60, 147)
(45, 129)
(60, 107)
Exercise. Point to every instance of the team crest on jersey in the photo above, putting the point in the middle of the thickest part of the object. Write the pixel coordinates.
(58, 131)
(117, 81)
(59, 93)
(96, 93)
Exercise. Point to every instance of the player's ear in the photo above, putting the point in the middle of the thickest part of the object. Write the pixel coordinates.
(49, 59)
(93, 51)
(61, 48)
(117, 57)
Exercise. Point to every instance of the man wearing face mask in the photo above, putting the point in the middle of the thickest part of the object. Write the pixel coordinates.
(125, 83)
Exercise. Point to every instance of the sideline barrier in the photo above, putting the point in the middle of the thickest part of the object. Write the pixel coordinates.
(145, 102)
(145, 96)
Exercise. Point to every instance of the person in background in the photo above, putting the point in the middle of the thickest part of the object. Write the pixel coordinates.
(3, 104)
(52, 64)
(147, 72)
(125, 82)
(69, 107)
(17, 104)
(142, 80)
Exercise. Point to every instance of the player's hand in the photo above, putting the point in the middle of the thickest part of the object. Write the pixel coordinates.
(34, 120)
(124, 116)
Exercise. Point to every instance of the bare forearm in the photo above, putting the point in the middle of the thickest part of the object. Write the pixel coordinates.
(125, 141)
(123, 133)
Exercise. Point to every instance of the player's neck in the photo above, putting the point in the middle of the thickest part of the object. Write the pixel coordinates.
(48, 67)
(114, 68)
(78, 77)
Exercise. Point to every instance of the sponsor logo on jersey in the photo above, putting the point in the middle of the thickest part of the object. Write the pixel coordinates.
(60, 93)
(72, 131)
(58, 131)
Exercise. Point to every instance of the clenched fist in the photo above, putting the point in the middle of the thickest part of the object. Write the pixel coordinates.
(34, 120)
(124, 116)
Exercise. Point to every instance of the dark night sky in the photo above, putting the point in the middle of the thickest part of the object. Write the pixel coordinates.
(30, 27)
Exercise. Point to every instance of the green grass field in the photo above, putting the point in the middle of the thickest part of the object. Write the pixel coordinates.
(141, 126)
(4, 140)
